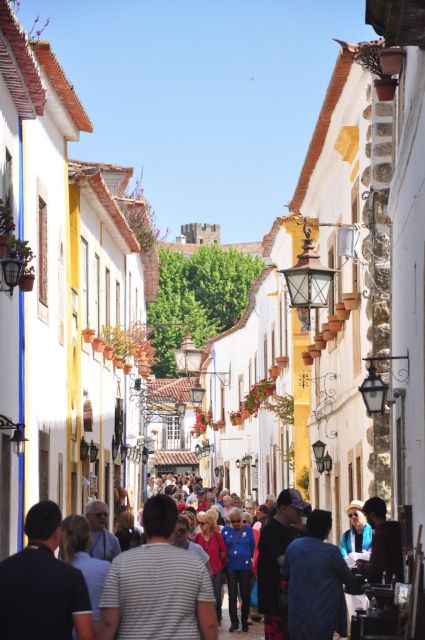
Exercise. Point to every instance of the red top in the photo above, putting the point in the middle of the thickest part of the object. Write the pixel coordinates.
(215, 548)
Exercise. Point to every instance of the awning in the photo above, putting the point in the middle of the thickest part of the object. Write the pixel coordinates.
(175, 458)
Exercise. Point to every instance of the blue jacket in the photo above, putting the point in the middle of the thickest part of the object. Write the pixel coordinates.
(240, 554)
(345, 545)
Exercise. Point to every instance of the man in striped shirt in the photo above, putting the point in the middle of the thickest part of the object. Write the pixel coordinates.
(139, 597)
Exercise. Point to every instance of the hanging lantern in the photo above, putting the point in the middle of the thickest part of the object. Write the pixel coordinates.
(188, 357)
(374, 392)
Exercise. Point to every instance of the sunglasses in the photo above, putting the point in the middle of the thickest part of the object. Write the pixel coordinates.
(353, 515)
(235, 521)
(101, 514)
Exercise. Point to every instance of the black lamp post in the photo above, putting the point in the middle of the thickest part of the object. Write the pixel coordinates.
(114, 448)
(309, 281)
(94, 450)
(11, 271)
(374, 391)
(84, 449)
(145, 455)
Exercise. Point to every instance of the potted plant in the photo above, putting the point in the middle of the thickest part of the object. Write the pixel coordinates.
(368, 56)
(327, 333)
(274, 371)
(127, 368)
(216, 426)
(351, 300)
(307, 358)
(391, 59)
(118, 361)
(88, 335)
(314, 351)
(22, 250)
(282, 361)
(98, 344)
(235, 418)
(335, 325)
(319, 342)
(341, 312)
(7, 225)
(244, 412)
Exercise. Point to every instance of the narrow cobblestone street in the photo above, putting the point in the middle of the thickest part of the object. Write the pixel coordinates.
(256, 630)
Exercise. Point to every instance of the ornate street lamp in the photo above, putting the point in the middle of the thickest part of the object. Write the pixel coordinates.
(197, 394)
(198, 451)
(318, 450)
(11, 271)
(145, 455)
(188, 357)
(84, 449)
(124, 450)
(94, 450)
(374, 391)
(327, 463)
(320, 466)
(18, 440)
(309, 281)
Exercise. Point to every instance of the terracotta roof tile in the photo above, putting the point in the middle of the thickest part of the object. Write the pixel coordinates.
(336, 85)
(175, 458)
(189, 248)
(62, 86)
(83, 166)
(270, 237)
(24, 83)
(171, 389)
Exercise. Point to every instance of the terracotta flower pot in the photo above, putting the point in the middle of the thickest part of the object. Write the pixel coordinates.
(244, 414)
(315, 353)
(385, 88)
(118, 362)
(341, 312)
(274, 371)
(88, 335)
(26, 282)
(392, 59)
(108, 353)
(215, 426)
(335, 325)
(319, 342)
(351, 300)
(98, 345)
(282, 361)
(233, 422)
(128, 368)
(307, 358)
(238, 421)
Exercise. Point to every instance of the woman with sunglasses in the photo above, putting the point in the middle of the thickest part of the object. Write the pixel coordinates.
(211, 541)
(240, 543)
(355, 544)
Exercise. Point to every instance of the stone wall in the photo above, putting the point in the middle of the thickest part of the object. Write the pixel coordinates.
(376, 250)
(201, 233)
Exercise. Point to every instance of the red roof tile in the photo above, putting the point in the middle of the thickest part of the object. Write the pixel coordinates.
(171, 389)
(189, 248)
(62, 86)
(336, 85)
(79, 166)
(175, 458)
(270, 237)
(24, 82)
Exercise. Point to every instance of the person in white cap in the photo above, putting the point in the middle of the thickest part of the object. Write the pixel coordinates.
(355, 544)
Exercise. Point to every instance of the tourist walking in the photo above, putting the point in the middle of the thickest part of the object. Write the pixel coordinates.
(127, 535)
(182, 540)
(240, 543)
(103, 544)
(40, 596)
(316, 572)
(274, 540)
(158, 590)
(211, 541)
(74, 547)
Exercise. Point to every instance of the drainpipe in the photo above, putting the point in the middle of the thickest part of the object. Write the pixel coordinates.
(21, 383)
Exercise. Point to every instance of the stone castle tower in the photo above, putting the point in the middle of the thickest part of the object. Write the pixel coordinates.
(201, 233)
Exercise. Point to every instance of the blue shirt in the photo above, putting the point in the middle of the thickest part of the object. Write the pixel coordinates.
(241, 552)
(94, 572)
(345, 544)
(316, 572)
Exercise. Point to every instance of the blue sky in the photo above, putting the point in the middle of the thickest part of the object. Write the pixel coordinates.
(216, 99)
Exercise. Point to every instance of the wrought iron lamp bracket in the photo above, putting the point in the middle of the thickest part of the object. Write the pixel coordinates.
(402, 374)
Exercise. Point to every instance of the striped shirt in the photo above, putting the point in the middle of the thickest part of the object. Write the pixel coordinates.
(156, 587)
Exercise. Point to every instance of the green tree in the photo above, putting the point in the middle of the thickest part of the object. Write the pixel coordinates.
(204, 295)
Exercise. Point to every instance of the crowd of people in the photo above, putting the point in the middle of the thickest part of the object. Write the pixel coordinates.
(163, 575)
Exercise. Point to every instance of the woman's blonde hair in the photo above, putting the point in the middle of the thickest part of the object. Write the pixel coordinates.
(126, 520)
(75, 537)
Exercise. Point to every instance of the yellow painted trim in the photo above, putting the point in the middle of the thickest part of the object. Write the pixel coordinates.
(347, 143)
(273, 293)
(354, 172)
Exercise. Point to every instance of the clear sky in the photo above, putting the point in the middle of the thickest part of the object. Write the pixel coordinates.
(216, 99)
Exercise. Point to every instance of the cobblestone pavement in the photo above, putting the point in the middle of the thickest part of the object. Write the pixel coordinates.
(256, 630)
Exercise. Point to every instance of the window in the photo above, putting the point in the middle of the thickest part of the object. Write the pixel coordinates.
(97, 292)
(7, 184)
(117, 303)
(350, 482)
(85, 283)
(130, 281)
(265, 359)
(359, 478)
(255, 367)
(241, 393)
(249, 375)
(223, 404)
(107, 297)
(42, 253)
(173, 432)
(136, 312)
(280, 312)
(337, 508)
